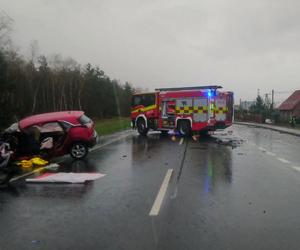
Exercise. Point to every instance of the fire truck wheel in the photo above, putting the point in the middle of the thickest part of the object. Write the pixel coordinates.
(184, 128)
(141, 127)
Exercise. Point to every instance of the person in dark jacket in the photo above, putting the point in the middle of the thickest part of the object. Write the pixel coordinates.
(292, 121)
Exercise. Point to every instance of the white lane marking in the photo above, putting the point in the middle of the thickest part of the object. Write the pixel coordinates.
(181, 141)
(296, 168)
(161, 194)
(262, 149)
(283, 160)
(109, 142)
(270, 153)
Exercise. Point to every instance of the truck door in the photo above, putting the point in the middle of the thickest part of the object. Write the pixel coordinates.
(229, 101)
(168, 113)
(200, 109)
(184, 106)
(220, 108)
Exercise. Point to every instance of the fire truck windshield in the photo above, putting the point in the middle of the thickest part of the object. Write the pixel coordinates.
(143, 99)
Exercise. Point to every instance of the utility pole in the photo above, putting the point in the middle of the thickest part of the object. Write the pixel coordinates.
(272, 105)
(266, 97)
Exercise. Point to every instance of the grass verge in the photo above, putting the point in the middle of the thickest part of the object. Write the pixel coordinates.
(109, 126)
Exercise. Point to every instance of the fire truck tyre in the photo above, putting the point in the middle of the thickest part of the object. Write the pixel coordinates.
(184, 128)
(141, 127)
(79, 150)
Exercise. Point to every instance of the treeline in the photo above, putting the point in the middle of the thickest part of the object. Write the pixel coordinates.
(259, 111)
(41, 84)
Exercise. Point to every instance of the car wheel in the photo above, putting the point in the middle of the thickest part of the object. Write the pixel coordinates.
(78, 150)
(184, 128)
(141, 127)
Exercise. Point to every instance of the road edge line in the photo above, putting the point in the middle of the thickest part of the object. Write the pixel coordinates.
(296, 168)
(97, 147)
(256, 125)
(283, 160)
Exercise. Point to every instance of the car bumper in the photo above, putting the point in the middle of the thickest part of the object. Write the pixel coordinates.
(95, 139)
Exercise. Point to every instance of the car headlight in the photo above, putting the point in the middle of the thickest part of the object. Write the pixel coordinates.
(95, 133)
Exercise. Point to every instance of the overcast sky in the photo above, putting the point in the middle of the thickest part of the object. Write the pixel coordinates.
(241, 45)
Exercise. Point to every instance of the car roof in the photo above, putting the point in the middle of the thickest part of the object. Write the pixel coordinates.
(49, 117)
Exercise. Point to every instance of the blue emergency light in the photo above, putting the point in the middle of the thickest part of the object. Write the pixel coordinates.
(210, 93)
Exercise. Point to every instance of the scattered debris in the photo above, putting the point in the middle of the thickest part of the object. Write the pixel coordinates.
(35, 161)
(52, 166)
(5, 154)
(47, 143)
(230, 141)
(195, 138)
(171, 132)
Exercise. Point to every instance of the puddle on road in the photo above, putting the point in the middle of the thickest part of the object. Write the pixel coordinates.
(199, 148)
(228, 139)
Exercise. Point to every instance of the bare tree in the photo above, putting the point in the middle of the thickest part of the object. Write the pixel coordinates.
(34, 52)
(5, 30)
(43, 84)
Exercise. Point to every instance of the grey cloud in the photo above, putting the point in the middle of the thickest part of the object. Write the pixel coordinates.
(243, 45)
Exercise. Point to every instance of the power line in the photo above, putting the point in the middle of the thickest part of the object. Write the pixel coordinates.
(283, 92)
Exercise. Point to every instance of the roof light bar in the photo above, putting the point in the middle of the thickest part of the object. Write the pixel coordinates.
(214, 87)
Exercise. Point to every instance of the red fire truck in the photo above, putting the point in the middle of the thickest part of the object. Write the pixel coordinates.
(188, 110)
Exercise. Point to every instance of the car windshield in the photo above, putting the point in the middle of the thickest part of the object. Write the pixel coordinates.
(84, 119)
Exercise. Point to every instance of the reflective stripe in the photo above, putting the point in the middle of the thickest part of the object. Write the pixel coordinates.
(221, 110)
(191, 110)
(144, 109)
(184, 110)
(200, 109)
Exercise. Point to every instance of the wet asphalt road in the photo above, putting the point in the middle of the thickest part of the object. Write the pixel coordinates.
(240, 195)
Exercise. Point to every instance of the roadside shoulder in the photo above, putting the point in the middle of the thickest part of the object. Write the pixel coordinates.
(272, 127)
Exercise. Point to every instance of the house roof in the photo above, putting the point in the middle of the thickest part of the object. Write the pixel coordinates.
(291, 102)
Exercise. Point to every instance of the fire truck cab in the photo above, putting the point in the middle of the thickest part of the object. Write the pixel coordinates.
(187, 110)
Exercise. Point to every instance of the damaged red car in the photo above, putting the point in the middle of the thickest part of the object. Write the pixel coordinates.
(52, 134)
